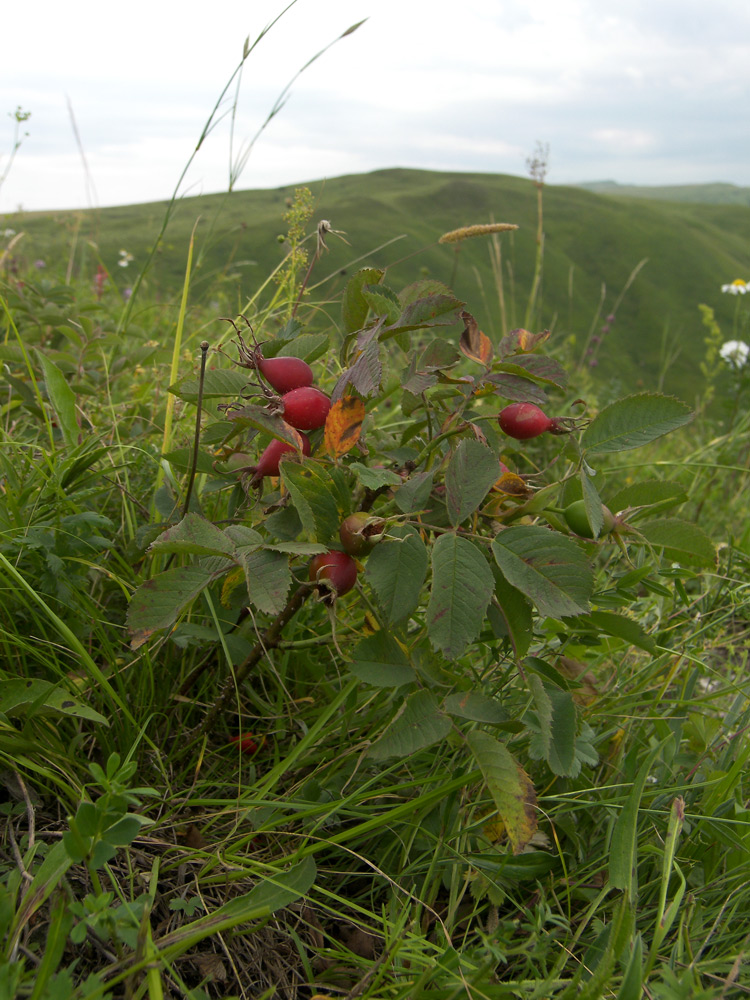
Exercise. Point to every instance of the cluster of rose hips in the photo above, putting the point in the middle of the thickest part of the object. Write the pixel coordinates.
(305, 408)
(299, 403)
(337, 571)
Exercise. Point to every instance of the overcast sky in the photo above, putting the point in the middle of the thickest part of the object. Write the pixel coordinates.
(643, 91)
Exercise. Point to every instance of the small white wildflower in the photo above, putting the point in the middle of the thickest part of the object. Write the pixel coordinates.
(735, 353)
(7, 233)
(125, 258)
(737, 287)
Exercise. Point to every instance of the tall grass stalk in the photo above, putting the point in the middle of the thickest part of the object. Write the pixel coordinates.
(237, 166)
(163, 468)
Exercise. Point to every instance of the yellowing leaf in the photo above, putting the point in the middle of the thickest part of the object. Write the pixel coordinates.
(232, 581)
(509, 785)
(521, 340)
(494, 830)
(512, 485)
(344, 425)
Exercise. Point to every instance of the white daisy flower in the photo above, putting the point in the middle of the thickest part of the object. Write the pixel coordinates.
(735, 353)
(737, 287)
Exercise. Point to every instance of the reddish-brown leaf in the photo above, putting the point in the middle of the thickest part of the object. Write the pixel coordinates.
(521, 340)
(474, 344)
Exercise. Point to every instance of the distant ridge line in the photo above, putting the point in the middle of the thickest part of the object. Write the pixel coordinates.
(713, 193)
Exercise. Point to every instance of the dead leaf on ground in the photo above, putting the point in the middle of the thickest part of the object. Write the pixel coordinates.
(211, 967)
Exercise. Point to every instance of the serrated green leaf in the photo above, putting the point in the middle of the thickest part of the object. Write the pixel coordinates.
(517, 388)
(652, 492)
(592, 504)
(472, 471)
(309, 347)
(373, 479)
(634, 421)
(682, 541)
(562, 750)
(396, 571)
(509, 785)
(383, 301)
(354, 306)
(620, 627)
(194, 535)
(156, 603)
(462, 585)
(437, 356)
(422, 289)
(260, 419)
(537, 366)
(316, 497)
(476, 707)
(550, 569)
(429, 310)
(298, 548)
(379, 660)
(365, 374)
(542, 732)
(418, 724)
(34, 696)
(515, 614)
(268, 579)
(415, 492)
(243, 537)
(218, 382)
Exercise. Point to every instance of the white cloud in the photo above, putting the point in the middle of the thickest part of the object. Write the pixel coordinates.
(643, 92)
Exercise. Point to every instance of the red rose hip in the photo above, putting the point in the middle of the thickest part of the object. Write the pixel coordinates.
(285, 374)
(334, 570)
(360, 533)
(524, 420)
(268, 463)
(305, 408)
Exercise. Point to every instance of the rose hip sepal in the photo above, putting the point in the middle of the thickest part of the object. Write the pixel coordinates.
(333, 571)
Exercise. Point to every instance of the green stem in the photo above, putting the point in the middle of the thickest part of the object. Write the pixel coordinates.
(197, 437)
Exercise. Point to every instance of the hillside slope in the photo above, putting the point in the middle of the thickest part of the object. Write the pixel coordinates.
(592, 244)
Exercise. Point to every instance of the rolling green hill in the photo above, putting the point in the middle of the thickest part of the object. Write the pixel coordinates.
(592, 244)
(703, 194)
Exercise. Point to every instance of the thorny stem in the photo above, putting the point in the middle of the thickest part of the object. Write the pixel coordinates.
(269, 640)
